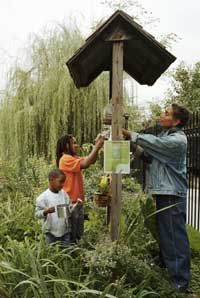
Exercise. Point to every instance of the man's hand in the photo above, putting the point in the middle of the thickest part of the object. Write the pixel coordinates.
(49, 210)
(126, 134)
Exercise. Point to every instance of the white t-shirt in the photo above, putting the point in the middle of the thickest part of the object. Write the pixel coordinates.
(52, 223)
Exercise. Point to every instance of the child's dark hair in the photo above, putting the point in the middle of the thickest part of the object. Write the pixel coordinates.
(180, 113)
(63, 146)
(55, 173)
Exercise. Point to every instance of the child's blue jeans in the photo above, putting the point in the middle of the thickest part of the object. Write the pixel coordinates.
(64, 240)
(77, 221)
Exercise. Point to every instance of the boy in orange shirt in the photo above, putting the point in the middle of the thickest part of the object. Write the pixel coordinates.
(71, 164)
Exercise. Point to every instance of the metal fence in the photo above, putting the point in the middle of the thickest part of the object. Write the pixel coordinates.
(192, 131)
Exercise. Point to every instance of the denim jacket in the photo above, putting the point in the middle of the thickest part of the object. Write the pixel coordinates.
(166, 174)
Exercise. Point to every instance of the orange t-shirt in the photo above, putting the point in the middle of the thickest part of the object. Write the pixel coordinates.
(73, 185)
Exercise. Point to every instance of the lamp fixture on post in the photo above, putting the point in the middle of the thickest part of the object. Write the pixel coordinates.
(126, 117)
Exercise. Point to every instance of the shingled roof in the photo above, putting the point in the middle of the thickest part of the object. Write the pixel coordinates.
(145, 59)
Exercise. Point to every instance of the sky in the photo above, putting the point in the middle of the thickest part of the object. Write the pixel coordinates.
(21, 18)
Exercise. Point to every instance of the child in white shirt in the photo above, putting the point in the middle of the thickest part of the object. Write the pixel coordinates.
(55, 224)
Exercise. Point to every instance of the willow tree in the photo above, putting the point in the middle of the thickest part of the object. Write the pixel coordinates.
(42, 103)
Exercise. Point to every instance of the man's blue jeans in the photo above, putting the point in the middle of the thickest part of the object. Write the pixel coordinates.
(174, 244)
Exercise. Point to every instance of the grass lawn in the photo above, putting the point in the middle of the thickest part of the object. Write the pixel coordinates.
(194, 237)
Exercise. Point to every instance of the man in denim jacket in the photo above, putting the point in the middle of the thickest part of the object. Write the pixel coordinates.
(166, 182)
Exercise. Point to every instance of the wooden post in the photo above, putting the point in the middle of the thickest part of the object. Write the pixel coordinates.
(117, 95)
(110, 85)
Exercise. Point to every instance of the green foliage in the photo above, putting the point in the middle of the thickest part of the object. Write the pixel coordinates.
(28, 267)
(91, 178)
(149, 212)
(156, 110)
(130, 184)
(16, 218)
(33, 176)
(126, 266)
(31, 269)
(20, 188)
(133, 228)
(194, 237)
(186, 86)
(97, 266)
(42, 102)
(135, 121)
(95, 227)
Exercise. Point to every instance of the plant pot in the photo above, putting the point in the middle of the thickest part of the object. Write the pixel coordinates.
(102, 200)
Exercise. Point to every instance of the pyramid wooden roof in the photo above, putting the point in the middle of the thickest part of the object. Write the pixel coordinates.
(145, 59)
